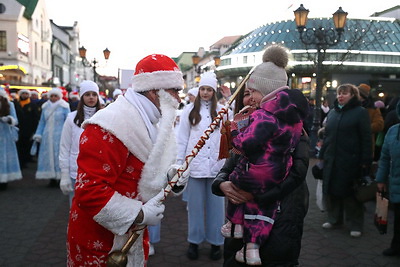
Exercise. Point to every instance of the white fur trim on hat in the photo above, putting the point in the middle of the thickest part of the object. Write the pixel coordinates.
(88, 86)
(194, 91)
(55, 91)
(155, 72)
(24, 91)
(208, 79)
(157, 80)
(117, 92)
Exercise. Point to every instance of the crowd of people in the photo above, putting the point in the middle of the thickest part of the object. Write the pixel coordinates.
(115, 162)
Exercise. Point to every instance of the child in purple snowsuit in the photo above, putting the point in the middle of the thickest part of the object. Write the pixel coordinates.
(266, 143)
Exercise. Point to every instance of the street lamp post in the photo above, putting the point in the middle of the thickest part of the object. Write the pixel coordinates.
(322, 39)
(82, 54)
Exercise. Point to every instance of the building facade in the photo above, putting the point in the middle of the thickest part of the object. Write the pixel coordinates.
(369, 52)
(25, 37)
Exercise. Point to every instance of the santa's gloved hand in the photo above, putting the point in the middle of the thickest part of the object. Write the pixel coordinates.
(65, 183)
(37, 138)
(153, 210)
(173, 170)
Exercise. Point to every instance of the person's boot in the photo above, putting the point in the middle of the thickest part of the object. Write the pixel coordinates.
(193, 251)
(215, 253)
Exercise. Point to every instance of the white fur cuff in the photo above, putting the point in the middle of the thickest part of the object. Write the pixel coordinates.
(118, 214)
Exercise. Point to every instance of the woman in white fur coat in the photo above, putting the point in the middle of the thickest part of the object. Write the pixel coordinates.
(205, 210)
(48, 134)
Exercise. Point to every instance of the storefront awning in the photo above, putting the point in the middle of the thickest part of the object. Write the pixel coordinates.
(13, 70)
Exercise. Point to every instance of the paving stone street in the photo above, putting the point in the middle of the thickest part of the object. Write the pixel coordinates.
(33, 222)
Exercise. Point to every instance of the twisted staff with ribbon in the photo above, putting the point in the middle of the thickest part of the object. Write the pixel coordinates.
(118, 258)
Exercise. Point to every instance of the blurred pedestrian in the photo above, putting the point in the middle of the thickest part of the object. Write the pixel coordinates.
(125, 152)
(346, 154)
(48, 134)
(73, 100)
(388, 178)
(88, 105)
(324, 111)
(375, 115)
(192, 94)
(205, 210)
(28, 117)
(117, 92)
(34, 97)
(391, 117)
(9, 163)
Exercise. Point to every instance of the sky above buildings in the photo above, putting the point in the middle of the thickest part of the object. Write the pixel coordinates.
(132, 30)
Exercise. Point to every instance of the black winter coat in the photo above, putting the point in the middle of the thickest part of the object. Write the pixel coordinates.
(346, 148)
(284, 243)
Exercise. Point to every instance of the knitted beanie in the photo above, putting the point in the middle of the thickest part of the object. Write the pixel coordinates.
(271, 74)
(208, 79)
(88, 86)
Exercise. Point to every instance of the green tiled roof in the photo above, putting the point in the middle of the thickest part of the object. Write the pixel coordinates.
(372, 34)
(30, 6)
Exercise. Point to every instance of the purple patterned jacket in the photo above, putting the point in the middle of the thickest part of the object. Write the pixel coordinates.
(273, 132)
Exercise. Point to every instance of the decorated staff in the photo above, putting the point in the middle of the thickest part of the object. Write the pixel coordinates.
(178, 181)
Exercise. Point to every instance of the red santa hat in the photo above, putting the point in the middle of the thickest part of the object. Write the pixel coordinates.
(156, 71)
(74, 96)
(20, 92)
(33, 92)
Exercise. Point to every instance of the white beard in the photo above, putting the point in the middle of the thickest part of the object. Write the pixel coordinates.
(163, 153)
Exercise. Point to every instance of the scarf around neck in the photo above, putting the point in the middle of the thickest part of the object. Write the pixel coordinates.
(148, 111)
(24, 102)
(88, 112)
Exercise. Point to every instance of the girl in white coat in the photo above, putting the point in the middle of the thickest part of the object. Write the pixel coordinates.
(205, 210)
(88, 105)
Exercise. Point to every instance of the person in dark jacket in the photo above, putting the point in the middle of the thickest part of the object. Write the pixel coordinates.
(388, 178)
(346, 153)
(391, 117)
(28, 115)
(283, 246)
(375, 115)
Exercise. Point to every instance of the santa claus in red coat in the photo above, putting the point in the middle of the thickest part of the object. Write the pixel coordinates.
(126, 150)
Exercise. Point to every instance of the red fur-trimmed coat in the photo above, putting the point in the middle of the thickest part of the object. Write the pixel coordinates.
(119, 169)
(104, 202)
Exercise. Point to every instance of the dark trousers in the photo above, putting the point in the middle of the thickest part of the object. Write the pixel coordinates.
(348, 206)
(24, 145)
(396, 227)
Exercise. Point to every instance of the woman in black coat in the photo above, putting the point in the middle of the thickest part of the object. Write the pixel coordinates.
(284, 243)
(346, 153)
